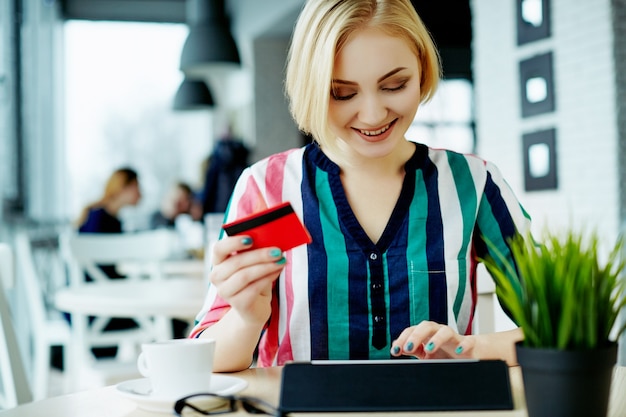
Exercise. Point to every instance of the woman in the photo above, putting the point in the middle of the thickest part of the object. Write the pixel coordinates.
(397, 227)
(121, 190)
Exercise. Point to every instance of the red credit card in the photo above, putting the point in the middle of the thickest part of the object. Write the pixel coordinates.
(276, 226)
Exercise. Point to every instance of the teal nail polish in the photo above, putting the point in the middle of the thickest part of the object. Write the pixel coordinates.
(409, 346)
(430, 346)
(246, 241)
(281, 261)
(275, 253)
(396, 350)
(458, 350)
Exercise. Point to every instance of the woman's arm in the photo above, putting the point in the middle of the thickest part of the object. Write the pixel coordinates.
(243, 280)
(236, 342)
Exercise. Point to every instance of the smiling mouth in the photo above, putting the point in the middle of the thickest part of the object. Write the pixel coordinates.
(377, 131)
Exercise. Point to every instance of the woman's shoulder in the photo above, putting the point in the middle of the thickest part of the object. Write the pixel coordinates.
(95, 212)
(100, 221)
(451, 157)
(279, 161)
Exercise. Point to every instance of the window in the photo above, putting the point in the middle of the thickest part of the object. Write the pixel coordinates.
(447, 121)
(121, 79)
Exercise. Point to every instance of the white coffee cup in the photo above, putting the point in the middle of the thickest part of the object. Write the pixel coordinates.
(177, 367)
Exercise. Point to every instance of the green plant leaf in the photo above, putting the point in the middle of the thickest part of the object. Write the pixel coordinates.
(558, 292)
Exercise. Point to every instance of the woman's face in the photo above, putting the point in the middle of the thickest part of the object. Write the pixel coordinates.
(132, 193)
(375, 93)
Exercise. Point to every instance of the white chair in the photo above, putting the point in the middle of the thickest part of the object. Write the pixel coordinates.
(14, 387)
(486, 303)
(83, 253)
(49, 327)
(88, 250)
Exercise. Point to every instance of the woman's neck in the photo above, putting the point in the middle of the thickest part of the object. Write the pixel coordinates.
(113, 207)
(388, 165)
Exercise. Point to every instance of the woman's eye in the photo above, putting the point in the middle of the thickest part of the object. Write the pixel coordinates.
(339, 95)
(395, 86)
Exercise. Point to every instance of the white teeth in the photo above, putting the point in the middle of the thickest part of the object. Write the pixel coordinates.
(374, 132)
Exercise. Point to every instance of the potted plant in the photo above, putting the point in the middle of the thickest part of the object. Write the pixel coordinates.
(566, 300)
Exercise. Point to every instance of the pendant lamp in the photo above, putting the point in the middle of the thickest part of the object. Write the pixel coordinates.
(193, 95)
(210, 45)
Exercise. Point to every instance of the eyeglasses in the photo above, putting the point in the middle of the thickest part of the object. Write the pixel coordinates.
(207, 404)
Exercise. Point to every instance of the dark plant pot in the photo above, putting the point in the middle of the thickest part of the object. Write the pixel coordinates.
(562, 383)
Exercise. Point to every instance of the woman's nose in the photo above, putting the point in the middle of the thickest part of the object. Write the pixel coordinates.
(373, 110)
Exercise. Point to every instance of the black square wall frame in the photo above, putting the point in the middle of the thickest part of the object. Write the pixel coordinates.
(536, 85)
(540, 169)
(533, 20)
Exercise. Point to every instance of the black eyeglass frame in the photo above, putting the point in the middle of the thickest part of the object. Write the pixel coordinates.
(248, 404)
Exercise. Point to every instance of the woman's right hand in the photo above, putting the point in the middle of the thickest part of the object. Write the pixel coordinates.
(243, 277)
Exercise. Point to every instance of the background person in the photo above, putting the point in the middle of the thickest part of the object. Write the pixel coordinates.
(121, 190)
(179, 199)
(224, 166)
(397, 227)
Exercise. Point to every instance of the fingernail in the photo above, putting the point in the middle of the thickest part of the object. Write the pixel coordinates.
(409, 346)
(458, 350)
(281, 261)
(430, 346)
(275, 253)
(246, 241)
(395, 350)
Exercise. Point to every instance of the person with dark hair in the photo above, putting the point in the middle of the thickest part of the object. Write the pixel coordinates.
(179, 199)
(226, 163)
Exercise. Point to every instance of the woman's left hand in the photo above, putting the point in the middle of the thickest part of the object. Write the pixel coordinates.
(430, 340)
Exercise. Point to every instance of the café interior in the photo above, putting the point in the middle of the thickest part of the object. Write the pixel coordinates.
(87, 86)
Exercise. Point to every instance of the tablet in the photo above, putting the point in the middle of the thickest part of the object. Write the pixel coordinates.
(395, 385)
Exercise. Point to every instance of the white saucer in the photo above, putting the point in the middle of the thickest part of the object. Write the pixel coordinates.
(138, 390)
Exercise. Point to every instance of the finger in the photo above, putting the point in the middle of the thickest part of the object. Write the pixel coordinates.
(398, 344)
(225, 247)
(465, 349)
(444, 340)
(412, 339)
(247, 278)
(251, 294)
(236, 261)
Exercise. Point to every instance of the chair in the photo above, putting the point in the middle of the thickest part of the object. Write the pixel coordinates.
(486, 305)
(83, 253)
(14, 387)
(49, 327)
(489, 313)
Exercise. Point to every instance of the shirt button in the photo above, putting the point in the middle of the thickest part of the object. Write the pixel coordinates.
(378, 319)
(373, 256)
(377, 286)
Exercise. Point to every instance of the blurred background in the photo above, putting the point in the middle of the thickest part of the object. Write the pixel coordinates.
(536, 86)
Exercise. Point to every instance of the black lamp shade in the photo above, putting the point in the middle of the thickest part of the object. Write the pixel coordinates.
(208, 45)
(193, 95)
(210, 42)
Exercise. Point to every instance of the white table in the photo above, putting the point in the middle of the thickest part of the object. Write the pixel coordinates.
(173, 297)
(265, 383)
(162, 299)
(193, 267)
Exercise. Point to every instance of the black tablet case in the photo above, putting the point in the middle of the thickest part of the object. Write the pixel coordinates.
(395, 385)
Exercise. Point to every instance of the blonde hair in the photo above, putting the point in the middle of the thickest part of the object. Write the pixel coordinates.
(117, 182)
(323, 27)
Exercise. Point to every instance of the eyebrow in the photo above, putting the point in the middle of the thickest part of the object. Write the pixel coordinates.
(384, 77)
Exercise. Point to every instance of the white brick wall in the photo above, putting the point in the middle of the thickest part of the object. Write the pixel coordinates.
(585, 116)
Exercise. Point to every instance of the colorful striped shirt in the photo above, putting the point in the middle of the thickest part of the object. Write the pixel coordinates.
(346, 297)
